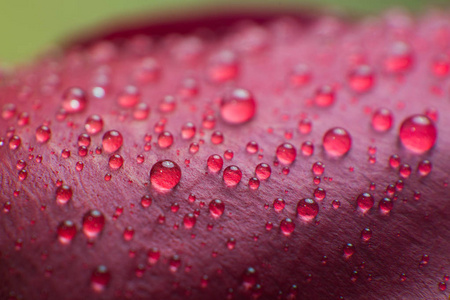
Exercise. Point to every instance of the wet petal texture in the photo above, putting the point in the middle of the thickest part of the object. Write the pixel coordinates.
(393, 127)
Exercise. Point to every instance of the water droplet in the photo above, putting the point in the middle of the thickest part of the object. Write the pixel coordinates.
(300, 75)
(365, 202)
(307, 209)
(382, 119)
(153, 255)
(361, 78)
(278, 204)
(228, 154)
(305, 126)
(418, 133)
(112, 141)
(216, 208)
(441, 65)
(232, 175)
(94, 124)
(129, 97)
(307, 148)
(318, 168)
(23, 174)
(189, 221)
(325, 96)
(399, 58)
(337, 141)
(252, 147)
(93, 223)
(336, 204)
(167, 104)
(217, 137)
(287, 226)
(115, 161)
(8, 111)
(63, 194)
(7, 207)
(424, 167)
(74, 100)
(66, 232)
(165, 175)
(84, 140)
(231, 243)
(21, 164)
(394, 161)
(146, 201)
(349, 250)
(215, 163)
(224, 66)
(253, 183)
(43, 134)
(250, 278)
(237, 106)
(404, 170)
(386, 205)
(165, 139)
(65, 153)
(79, 166)
(286, 153)
(141, 111)
(100, 278)
(188, 131)
(263, 171)
(128, 233)
(366, 234)
(319, 193)
(82, 151)
(193, 148)
(14, 142)
(442, 285)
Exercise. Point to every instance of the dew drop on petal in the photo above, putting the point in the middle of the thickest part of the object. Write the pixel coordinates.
(74, 100)
(216, 208)
(237, 106)
(66, 232)
(286, 153)
(215, 163)
(418, 133)
(165, 175)
(307, 209)
(382, 120)
(93, 223)
(100, 278)
(337, 142)
(232, 175)
(112, 141)
(43, 134)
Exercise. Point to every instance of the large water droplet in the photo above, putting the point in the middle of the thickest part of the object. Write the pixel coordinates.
(287, 226)
(365, 202)
(63, 194)
(418, 133)
(115, 161)
(66, 232)
(165, 175)
(337, 141)
(100, 278)
(215, 163)
(263, 171)
(94, 124)
(43, 134)
(382, 120)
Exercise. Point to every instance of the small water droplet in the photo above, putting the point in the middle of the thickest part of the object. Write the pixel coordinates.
(129, 97)
(188, 131)
(237, 106)
(278, 204)
(217, 137)
(74, 100)
(286, 153)
(287, 226)
(307, 209)
(93, 223)
(100, 278)
(382, 120)
(418, 133)
(43, 134)
(325, 96)
(165, 139)
(337, 141)
(66, 232)
(252, 147)
(263, 171)
(365, 202)
(232, 175)
(94, 124)
(386, 205)
(361, 78)
(253, 183)
(424, 167)
(215, 163)
(112, 141)
(63, 194)
(366, 234)
(216, 208)
(115, 161)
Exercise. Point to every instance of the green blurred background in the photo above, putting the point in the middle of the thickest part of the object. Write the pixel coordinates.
(28, 27)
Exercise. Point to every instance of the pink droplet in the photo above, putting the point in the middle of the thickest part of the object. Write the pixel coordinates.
(141, 111)
(278, 204)
(424, 167)
(263, 171)
(93, 223)
(193, 148)
(217, 137)
(188, 131)
(394, 161)
(286, 153)
(115, 161)
(146, 201)
(307, 148)
(223, 67)
(319, 193)
(8, 111)
(382, 120)
(237, 106)
(325, 96)
(349, 250)
(305, 126)
(189, 221)
(318, 168)
(94, 124)
(404, 170)
(153, 255)
(386, 205)
(128, 233)
(100, 278)
(365, 202)
(441, 65)
(14, 142)
(167, 104)
(300, 75)
(307, 209)
(252, 147)
(112, 141)
(165, 139)
(129, 97)
(232, 175)
(165, 175)
(228, 154)
(337, 141)
(209, 121)
(74, 100)
(65, 153)
(66, 232)
(84, 140)
(366, 234)
(287, 226)
(43, 134)
(418, 133)
(361, 78)
(253, 183)
(215, 163)
(399, 58)
(63, 194)
(216, 208)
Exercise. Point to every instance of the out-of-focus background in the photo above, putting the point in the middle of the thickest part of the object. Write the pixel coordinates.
(28, 27)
